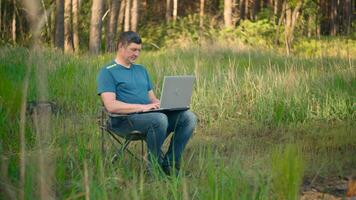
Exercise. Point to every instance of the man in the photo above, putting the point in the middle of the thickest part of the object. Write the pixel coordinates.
(125, 87)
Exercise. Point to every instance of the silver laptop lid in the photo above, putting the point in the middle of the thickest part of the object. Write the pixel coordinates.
(177, 91)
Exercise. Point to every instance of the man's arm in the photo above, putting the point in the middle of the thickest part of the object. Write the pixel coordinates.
(152, 97)
(114, 106)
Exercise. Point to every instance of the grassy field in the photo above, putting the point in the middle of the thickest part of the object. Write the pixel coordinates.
(267, 124)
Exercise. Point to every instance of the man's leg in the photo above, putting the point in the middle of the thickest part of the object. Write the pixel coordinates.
(183, 124)
(153, 124)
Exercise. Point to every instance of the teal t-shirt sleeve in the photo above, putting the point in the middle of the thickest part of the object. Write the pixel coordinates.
(149, 85)
(105, 81)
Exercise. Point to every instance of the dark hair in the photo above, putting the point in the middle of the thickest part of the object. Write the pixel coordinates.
(128, 37)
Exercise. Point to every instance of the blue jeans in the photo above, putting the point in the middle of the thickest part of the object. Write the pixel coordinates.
(157, 127)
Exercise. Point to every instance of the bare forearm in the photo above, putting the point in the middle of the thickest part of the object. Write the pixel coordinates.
(122, 108)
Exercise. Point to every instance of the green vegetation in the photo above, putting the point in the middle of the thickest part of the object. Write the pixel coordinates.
(266, 122)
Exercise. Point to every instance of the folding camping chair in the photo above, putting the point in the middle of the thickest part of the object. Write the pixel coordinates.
(122, 142)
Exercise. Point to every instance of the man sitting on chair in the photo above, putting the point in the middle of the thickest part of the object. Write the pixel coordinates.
(125, 88)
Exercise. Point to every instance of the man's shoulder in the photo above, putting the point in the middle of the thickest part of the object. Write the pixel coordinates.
(109, 65)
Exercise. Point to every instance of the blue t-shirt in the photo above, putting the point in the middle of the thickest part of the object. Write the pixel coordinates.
(131, 85)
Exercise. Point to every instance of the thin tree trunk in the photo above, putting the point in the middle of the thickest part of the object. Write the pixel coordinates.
(48, 30)
(201, 14)
(242, 9)
(348, 16)
(256, 9)
(168, 10)
(114, 12)
(59, 33)
(95, 26)
(310, 24)
(121, 15)
(291, 21)
(333, 17)
(175, 10)
(275, 7)
(247, 12)
(13, 29)
(127, 15)
(75, 5)
(134, 15)
(280, 22)
(228, 13)
(68, 47)
(0, 17)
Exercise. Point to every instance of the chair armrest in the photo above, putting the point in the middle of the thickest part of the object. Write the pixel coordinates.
(117, 115)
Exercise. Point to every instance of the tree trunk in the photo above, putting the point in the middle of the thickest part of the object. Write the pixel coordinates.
(201, 14)
(134, 15)
(75, 25)
(310, 24)
(228, 13)
(247, 12)
(48, 30)
(121, 15)
(242, 9)
(256, 9)
(95, 26)
(275, 7)
(112, 30)
(333, 16)
(68, 46)
(127, 15)
(13, 29)
(59, 33)
(348, 16)
(290, 23)
(0, 17)
(283, 12)
(175, 9)
(168, 10)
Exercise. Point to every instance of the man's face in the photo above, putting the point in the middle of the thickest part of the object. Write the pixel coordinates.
(130, 52)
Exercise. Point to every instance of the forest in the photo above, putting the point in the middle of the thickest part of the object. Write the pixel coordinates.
(274, 96)
(76, 25)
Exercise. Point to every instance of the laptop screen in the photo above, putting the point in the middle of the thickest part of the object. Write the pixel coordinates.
(177, 91)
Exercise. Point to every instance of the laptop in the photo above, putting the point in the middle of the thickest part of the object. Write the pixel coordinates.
(176, 93)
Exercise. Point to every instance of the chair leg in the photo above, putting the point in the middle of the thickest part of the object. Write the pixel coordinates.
(120, 151)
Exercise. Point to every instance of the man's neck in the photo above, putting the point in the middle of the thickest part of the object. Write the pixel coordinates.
(120, 62)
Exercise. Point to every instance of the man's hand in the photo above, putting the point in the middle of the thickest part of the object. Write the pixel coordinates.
(150, 106)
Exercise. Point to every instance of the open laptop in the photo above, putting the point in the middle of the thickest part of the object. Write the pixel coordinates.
(176, 93)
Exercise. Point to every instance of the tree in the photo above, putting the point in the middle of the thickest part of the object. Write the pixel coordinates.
(59, 33)
(291, 15)
(201, 14)
(127, 15)
(75, 9)
(175, 10)
(333, 17)
(112, 28)
(134, 15)
(95, 26)
(228, 13)
(13, 29)
(256, 8)
(68, 46)
(168, 10)
(121, 15)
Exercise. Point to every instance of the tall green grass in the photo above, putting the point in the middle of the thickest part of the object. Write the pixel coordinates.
(249, 104)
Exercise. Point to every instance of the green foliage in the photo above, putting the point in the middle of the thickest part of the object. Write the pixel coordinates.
(287, 173)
